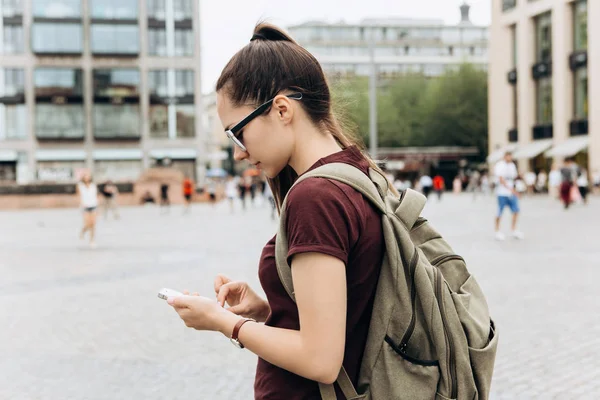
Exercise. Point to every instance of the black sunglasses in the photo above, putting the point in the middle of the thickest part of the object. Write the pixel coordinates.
(234, 130)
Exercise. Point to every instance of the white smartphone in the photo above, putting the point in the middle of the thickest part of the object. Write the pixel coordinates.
(165, 293)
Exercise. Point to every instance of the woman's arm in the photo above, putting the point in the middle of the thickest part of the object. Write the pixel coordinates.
(316, 351)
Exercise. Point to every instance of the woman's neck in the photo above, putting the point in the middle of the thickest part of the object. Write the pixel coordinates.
(313, 146)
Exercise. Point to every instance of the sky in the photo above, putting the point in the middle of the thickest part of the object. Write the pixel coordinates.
(227, 25)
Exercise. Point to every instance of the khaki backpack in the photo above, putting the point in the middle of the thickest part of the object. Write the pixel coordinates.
(430, 336)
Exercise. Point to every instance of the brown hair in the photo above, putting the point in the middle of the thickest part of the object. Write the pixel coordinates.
(271, 63)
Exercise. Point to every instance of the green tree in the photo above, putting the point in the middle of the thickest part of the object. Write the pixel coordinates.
(413, 110)
(456, 110)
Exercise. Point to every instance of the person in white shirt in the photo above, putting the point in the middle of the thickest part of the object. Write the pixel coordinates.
(88, 200)
(583, 184)
(506, 173)
(554, 181)
(231, 190)
(426, 184)
(530, 178)
(541, 181)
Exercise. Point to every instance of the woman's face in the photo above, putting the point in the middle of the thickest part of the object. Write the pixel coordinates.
(269, 139)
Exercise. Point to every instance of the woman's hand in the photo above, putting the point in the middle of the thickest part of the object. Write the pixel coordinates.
(242, 300)
(202, 313)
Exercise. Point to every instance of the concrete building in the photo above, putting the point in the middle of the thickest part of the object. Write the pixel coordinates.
(399, 45)
(544, 97)
(112, 86)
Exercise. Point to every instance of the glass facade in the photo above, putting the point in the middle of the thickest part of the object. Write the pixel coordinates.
(13, 42)
(171, 112)
(544, 101)
(183, 9)
(13, 121)
(543, 29)
(114, 39)
(116, 82)
(114, 9)
(56, 8)
(580, 24)
(156, 9)
(116, 121)
(54, 38)
(63, 121)
(184, 42)
(58, 82)
(11, 8)
(157, 42)
(581, 93)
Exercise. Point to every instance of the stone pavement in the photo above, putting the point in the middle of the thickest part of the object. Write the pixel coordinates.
(78, 323)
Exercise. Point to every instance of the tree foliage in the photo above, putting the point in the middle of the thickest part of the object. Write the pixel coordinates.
(413, 110)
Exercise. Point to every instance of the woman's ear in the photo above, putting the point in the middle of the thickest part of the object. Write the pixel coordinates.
(284, 108)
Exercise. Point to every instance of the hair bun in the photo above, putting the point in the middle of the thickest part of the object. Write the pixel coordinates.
(257, 36)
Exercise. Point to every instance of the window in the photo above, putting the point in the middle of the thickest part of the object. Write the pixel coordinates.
(182, 9)
(114, 39)
(581, 93)
(114, 9)
(56, 38)
(157, 42)
(544, 101)
(13, 83)
(580, 25)
(58, 82)
(508, 4)
(59, 121)
(116, 121)
(184, 83)
(184, 42)
(11, 8)
(515, 107)
(57, 8)
(159, 121)
(13, 39)
(185, 117)
(157, 82)
(116, 82)
(156, 9)
(544, 37)
(14, 121)
(116, 103)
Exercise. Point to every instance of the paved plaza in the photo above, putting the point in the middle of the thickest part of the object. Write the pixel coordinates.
(80, 323)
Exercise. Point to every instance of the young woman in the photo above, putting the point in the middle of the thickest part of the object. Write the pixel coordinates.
(88, 199)
(275, 104)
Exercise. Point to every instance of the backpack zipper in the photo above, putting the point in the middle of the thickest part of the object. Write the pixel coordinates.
(449, 341)
(413, 295)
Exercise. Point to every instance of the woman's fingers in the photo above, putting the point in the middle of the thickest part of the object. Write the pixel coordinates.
(220, 280)
(224, 292)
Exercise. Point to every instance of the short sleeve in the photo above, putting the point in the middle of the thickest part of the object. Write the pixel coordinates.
(321, 218)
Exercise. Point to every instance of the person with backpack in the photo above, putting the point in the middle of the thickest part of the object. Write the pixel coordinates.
(344, 257)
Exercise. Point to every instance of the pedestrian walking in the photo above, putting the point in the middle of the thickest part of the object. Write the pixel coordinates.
(439, 186)
(426, 184)
(110, 192)
(88, 200)
(165, 203)
(569, 173)
(506, 174)
(583, 184)
(554, 182)
(188, 192)
(231, 191)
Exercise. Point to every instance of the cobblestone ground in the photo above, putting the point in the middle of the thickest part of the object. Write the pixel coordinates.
(79, 323)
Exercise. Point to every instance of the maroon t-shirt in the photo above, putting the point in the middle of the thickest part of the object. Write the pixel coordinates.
(328, 217)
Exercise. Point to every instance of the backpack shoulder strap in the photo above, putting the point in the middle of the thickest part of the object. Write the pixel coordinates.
(352, 176)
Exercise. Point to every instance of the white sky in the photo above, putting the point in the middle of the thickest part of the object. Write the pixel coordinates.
(227, 25)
